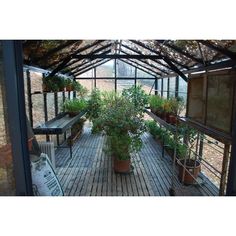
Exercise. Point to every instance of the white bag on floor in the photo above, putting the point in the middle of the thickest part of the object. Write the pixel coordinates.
(44, 179)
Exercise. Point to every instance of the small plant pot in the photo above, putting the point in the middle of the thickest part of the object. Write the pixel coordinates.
(172, 119)
(72, 114)
(46, 89)
(194, 167)
(168, 118)
(121, 166)
(69, 88)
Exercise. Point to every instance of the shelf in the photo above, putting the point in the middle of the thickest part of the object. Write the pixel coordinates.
(218, 135)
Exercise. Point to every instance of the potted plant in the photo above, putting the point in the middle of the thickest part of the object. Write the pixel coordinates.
(123, 123)
(68, 85)
(156, 104)
(177, 106)
(188, 162)
(166, 110)
(75, 106)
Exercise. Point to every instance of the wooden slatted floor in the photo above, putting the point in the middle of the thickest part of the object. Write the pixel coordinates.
(89, 172)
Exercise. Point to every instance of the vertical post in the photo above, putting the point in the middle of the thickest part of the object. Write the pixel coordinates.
(168, 88)
(161, 87)
(45, 108)
(30, 106)
(224, 170)
(56, 111)
(135, 77)
(156, 86)
(74, 92)
(115, 77)
(15, 99)
(95, 76)
(63, 100)
(176, 86)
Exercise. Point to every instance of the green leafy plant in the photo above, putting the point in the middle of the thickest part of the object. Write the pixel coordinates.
(137, 96)
(74, 106)
(94, 105)
(156, 104)
(123, 124)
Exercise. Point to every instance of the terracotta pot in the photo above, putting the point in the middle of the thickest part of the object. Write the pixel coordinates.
(69, 88)
(72, 114)
(189, 165)
(168, 118)
(121, 166)
(173, 119)
(46, 89)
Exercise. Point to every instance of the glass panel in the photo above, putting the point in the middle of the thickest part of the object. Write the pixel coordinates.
(87, 83)
(105, 70)
(105, 84)
(7, 182)
(172, 87)
(165, 88)
(124, 84)
(182, 88)
(147, 85)
(125, 70)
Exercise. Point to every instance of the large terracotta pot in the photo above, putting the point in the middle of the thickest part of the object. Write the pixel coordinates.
(121, 166)
(194, 167)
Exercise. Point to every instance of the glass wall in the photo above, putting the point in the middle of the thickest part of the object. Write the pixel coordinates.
(7, 182)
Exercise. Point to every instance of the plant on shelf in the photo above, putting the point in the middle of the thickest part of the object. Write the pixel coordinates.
(166, 110)
(177, 106)
(68, 85)
(124, 124)
(75, 106)
(156, 104)
(53, 84)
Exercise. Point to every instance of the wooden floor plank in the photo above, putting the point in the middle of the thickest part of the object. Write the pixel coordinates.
(90, 171)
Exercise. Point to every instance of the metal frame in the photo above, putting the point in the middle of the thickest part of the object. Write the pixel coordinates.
(15, 98)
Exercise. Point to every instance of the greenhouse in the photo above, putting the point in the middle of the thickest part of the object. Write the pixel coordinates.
(117, 118)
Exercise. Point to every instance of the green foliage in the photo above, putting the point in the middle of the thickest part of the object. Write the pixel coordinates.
(94, 105)
(156, 103)
(137, 96)
(75, 105)
(123, 124)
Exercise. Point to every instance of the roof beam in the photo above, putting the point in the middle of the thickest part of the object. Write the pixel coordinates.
(216, 66)
(156, 52)
(177, 49)
(221, 50)
(176, 69)
(143, 65)
(64, 63)
(117, 56)
(54, 50)
(131, 49)
(97, 42)
(93, 52)
(103, 61)
(129, 63)
(77, 67)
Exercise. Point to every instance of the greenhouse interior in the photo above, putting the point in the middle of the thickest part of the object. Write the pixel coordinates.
(117, 118)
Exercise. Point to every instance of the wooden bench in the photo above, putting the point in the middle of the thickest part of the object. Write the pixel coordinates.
(59, 125)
